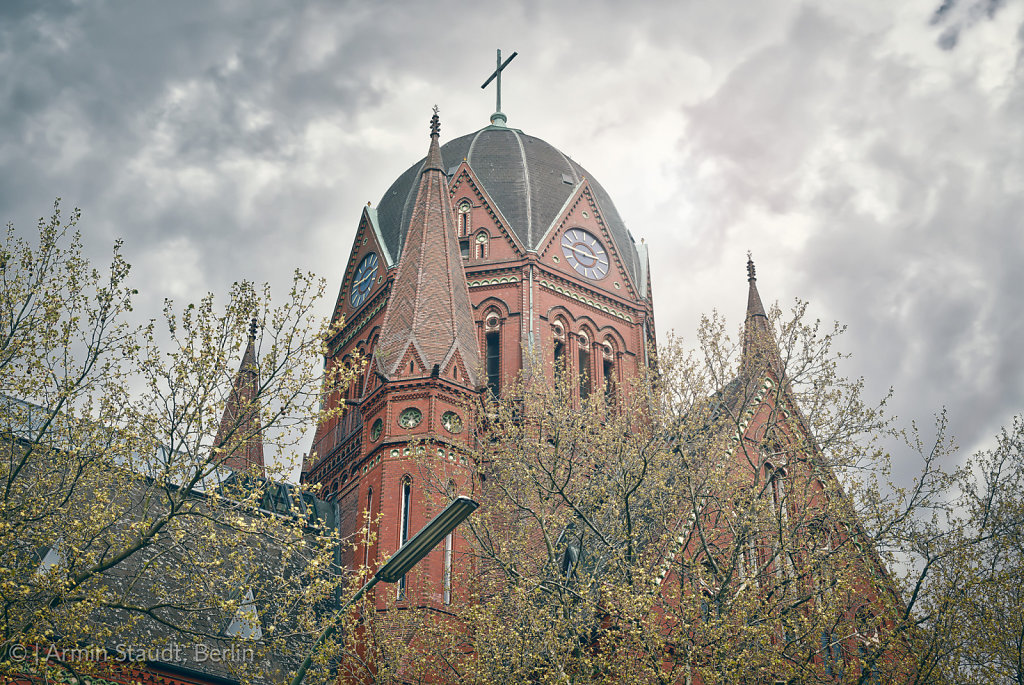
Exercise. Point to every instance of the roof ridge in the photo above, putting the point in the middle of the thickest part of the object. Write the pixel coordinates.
(529, 190)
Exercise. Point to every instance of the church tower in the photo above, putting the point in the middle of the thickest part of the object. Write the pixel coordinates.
(495, 254)
(240, 435)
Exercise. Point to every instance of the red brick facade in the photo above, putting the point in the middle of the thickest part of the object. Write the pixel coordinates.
(561, 278)
(522, 300)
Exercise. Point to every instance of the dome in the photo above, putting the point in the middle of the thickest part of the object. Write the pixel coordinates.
(528, 180)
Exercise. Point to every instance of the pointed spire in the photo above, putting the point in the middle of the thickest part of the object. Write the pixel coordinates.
(240, 424)
(429, 314)
(759, 346)
(433, 161)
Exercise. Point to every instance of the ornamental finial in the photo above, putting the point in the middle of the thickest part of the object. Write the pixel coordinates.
(253, 326)
(435, 123)
(750, 267)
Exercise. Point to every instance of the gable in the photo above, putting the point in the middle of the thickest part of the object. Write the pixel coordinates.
(369, 252)
(465, 186)
(579, 244)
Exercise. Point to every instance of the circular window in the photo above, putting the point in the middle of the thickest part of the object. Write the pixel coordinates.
(451, 421)
(375, 431)
(410, 417)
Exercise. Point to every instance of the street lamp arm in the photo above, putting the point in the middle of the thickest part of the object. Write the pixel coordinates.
(397, 566)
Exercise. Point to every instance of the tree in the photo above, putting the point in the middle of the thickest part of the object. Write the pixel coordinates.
(727, 519)
(967, 561)
(122, 530)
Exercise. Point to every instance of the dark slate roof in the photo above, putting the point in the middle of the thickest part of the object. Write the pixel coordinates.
(524, 177)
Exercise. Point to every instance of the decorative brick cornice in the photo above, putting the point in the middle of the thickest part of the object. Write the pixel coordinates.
(493, 281)
(579, 297)
(350, 330)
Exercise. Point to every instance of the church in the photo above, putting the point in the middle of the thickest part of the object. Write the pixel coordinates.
(494, 247)
(715, 544)
(498, 256)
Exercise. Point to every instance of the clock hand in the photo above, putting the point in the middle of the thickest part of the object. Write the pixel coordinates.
(590, 255)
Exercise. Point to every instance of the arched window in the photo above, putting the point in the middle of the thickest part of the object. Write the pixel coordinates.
(464, 218)
(446, 581)
(832, 653)
(777, 486)
(584, 365)
(558, 357)
(492, 358)
(403, 535)
(360, 354)
(778, 504)
(481, 245)
(369, 518)
(608, 369)
(447, 590)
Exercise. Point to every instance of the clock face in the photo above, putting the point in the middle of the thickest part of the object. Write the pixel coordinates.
(362, 282)
(585, 253)
(451, 421)
(410, 418)
(376, 429)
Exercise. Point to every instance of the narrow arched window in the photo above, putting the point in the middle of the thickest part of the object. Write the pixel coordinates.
(447, 591)
(558, 356)
(369, 518)
(464, 216)
(584, 366)
(492, 356)
(777, 484)
(481, 245)
(403, 536)
(780, 520)
(608, 369)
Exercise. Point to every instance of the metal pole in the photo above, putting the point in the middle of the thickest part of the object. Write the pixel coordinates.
(331, 629)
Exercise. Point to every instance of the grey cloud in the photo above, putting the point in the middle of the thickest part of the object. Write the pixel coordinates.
(869, 173)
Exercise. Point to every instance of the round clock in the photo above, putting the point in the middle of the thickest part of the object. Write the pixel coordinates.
(451, 421)
(410, 417)
(362, 282)
(376, 430)
(585, 253)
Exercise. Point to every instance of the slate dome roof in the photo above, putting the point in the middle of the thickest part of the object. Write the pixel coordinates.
(528, 179)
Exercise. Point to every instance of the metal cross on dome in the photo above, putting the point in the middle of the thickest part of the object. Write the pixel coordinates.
(498, 116)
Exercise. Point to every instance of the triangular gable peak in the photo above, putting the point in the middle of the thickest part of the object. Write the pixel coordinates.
(766, 406)
(410, 363)
(368, 240)
(768, 403)
(454, 367)
(464, 183)
(581, 210)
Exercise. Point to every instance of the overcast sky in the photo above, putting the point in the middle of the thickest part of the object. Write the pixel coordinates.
(869, 152)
